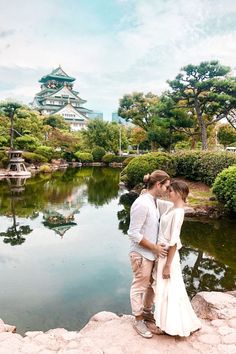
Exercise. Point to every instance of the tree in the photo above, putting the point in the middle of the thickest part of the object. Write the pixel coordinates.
(206, 91)
(9, 109)
(226, 135)
(56, 121)
(139, 109)
(104, 134)
(138, 136)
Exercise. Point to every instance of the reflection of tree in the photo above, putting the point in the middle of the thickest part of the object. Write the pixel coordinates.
(206, 274)
(208, 255)
(126, 200)
(14, 233)
(103, 186)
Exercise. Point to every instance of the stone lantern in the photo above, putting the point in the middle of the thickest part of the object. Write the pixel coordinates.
(16, 166)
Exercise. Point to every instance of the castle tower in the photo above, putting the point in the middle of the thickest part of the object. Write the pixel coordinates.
(58, 97)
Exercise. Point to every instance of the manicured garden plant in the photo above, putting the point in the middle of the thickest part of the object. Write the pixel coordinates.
(224, 188)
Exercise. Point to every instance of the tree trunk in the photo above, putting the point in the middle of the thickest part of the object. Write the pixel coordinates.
(153, 146)
(202, 125)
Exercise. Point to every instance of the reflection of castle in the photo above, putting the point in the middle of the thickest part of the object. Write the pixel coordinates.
(60, 217)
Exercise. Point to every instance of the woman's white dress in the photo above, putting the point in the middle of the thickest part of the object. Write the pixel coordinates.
(173, 311)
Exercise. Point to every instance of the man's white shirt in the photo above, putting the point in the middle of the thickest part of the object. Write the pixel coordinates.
(145, 216)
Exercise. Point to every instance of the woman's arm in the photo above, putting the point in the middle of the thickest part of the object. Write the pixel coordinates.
(170, 256)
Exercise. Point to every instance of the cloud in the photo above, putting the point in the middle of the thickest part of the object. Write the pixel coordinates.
(146, 45)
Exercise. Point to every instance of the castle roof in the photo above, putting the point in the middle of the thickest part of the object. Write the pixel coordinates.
(57, 74)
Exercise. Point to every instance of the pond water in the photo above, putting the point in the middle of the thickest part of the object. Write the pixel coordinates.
(64, 249)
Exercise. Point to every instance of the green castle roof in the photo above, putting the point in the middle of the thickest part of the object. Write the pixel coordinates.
(57, 74)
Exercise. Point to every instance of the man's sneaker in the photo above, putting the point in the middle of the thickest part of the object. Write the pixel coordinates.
(142, 329)
(148, 316)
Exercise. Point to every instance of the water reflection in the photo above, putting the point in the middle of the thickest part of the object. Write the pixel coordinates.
(209, 253)
(58, 198)
(14, 233)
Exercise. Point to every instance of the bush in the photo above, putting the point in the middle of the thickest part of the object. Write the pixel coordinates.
(98, 153)
(141, 165)
(27, 142)
(3, 141)
(3, 159)
(84, 156)
(45, 151)
(203, 166)
(108, 158)
(224, 188)
(127, 160)
(31, 157)
(45, 169)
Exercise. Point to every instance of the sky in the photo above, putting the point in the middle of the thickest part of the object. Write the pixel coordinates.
(111, 47)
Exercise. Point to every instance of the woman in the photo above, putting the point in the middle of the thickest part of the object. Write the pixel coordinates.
(173, 312)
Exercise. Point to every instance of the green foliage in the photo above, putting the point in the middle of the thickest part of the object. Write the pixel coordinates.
(225, 188)
(56, 121)
(108, 158)
(84, 156)
(45, 151)
(3, 141)
(206, 92)
(127, 160)
(226, 135)
(139, 109)
(45, 168)
(98, 152)
(3, 159)
(203, 166)
(141, 165)
(27, 142)
(31, 157)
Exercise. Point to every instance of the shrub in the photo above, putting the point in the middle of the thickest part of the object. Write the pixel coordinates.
(3, 141)
(141, 165)
(224, 188)
(31, 157)
(27, 142)
(203, 166)
(98, 152)
(3, 159)
(108, 158)
(45, 169)
(119, 159)
(187, 164)
(127, 160)
(84, 156)
(45, 151)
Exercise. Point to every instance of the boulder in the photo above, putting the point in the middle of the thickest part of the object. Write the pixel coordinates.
(214, 305)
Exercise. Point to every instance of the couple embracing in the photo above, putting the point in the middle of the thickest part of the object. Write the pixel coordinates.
(154, 232)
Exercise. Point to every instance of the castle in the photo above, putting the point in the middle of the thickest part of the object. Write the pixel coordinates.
(57, 96)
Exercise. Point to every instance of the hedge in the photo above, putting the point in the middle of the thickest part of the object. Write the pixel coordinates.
(224, 188)
(203, 166)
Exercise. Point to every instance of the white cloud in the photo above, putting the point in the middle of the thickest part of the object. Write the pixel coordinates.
(149, 46)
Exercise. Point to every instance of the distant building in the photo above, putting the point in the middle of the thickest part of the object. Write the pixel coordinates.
(58, 97)
(95, 115)
(116, 118)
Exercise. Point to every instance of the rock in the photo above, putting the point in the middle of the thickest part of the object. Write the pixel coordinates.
(104, 316)
(214, 305)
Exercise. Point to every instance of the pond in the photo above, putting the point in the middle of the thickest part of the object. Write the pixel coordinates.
(64, 249)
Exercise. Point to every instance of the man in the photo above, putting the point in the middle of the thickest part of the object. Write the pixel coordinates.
(143, 233)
